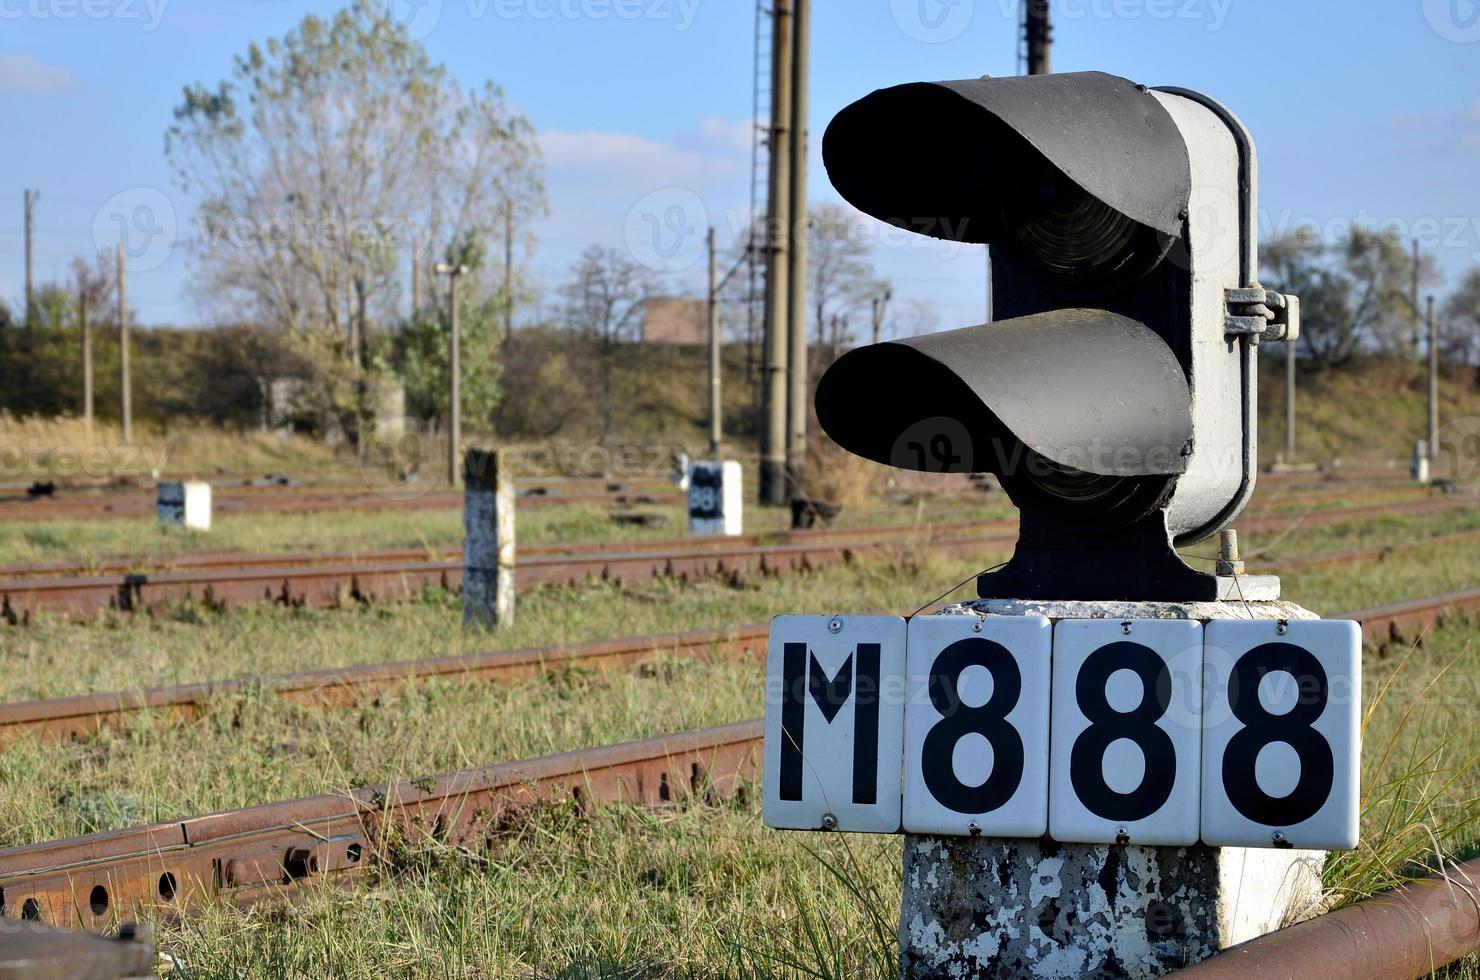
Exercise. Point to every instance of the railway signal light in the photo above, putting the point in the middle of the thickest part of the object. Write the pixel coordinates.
(1114, 395)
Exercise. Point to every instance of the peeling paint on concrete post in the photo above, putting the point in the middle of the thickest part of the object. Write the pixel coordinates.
(488, 539)
(983, 907)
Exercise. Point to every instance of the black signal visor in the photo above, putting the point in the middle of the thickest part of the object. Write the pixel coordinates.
(1032, 162)
(1088, 390)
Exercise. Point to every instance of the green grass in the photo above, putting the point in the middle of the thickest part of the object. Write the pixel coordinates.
(690, 890)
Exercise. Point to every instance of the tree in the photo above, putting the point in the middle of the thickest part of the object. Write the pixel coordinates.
(422, 350)
(842, 283)
(603, 304)
(330, 154)
(1460, 325)
(1354, 294)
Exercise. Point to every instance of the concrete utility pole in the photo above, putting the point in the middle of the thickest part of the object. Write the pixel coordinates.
(797, 361)
(778, 241)
(1037, 36)
(454, 370)
(712, 312)
(508, 271)
(1289, 401)
(30, 205)
(1413, 301)
(1433, 381)
(87, 346)
(879, 303)
(415, 281)
(125, 396)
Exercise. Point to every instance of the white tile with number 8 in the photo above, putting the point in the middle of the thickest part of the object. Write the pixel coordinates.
(1126, 731)
(976, 726)
(1283, 740)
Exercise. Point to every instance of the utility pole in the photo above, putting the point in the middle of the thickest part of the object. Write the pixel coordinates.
(879, 304)
(415, 281)
(30, 205)
(778, 294)
(1413, 301)
(797, 361)
(125, 396)
(1037, 36)
(1289, 401)
(1433, 381)
(715, 421)
(454, 370)
(508, 271)
(87, 345)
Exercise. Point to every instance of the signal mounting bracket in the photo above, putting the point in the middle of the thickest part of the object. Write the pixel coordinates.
(1262, 314)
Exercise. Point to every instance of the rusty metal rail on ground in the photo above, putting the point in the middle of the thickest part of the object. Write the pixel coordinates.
(305, 582)
(78, 715)
(338, 583)
(142, 504)
(1410, 931)
(271, 850)
(73, 717)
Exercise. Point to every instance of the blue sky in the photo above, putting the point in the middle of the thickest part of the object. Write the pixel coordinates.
(1365, 112)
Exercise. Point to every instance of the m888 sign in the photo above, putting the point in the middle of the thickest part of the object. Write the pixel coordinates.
(1093, 731)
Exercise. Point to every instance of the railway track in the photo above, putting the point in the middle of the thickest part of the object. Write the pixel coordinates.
(271, 850)
(315, 579)
(336, 583)
(80, 715)
(141, 504)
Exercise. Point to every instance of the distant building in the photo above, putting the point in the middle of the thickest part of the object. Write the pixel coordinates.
(675, 320)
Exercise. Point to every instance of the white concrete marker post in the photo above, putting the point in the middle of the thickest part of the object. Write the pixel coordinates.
(488, 539)
(1420, 469)
(716, 504)
(985, 906)
(185, 504)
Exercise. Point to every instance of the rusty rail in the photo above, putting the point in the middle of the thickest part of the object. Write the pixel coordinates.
(369, 579)
(270, 850)
(1407, 932)
(306, 502)
(336, 584)
(78, 715)
(73, 717)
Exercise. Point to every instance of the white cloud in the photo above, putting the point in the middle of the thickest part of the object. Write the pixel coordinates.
(21, 74)
(1443, 129)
